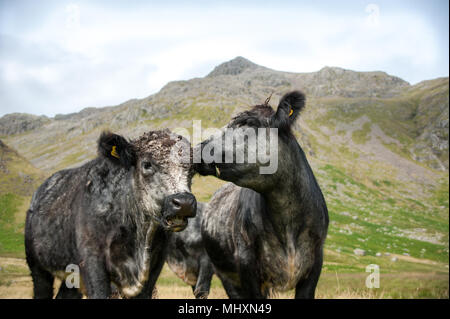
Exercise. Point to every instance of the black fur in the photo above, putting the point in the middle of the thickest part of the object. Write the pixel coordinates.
(294, 101)
(125, 150)
(265, 116)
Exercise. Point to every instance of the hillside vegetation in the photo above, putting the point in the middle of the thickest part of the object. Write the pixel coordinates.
(18, 180)
(378, 147)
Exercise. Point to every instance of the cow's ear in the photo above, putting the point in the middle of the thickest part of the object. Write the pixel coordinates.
(290, 106)
(117, 149)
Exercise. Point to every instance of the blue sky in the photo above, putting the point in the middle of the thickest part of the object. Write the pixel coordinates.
(63, 56)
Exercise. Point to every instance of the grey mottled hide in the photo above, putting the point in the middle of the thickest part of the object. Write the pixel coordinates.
(267, 234)
(110, 217)
(187, 257)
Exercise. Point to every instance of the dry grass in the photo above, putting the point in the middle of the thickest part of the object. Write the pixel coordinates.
(15, 282)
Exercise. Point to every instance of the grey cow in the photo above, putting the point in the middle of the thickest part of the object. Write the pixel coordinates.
(265, 232)
(187, 256)
(111, 217)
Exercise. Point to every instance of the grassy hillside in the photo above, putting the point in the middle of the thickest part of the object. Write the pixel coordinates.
(377, 145)
(12, 220)
(18, 180)
(17, 175)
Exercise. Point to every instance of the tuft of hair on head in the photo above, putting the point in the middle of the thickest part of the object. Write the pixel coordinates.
(116, 149)
(288, 109)
(266, 102)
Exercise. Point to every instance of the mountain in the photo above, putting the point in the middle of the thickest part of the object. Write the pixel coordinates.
(20, 122)
(377, 144)
(234, 67)
(421, 110)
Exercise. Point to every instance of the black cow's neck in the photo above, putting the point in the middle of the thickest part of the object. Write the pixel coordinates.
(289, 200)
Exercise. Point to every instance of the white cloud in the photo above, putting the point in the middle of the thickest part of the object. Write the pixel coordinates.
(81, 54)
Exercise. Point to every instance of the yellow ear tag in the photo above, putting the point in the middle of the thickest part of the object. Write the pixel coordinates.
(114, 153)
(291, 112)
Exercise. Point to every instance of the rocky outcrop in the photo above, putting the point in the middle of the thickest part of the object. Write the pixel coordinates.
(431, 118)
(15, 123)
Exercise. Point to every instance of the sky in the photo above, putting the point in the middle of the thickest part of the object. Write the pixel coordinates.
(58, 57)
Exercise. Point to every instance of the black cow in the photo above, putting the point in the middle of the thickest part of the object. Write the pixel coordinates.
(188, 259)
(268, 232)
(110, 217)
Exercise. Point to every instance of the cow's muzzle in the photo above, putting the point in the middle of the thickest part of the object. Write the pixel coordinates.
(178, 208)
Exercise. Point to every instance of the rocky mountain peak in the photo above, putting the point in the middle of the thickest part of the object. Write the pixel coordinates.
(332, 69)
(233, 67)
(20, 122)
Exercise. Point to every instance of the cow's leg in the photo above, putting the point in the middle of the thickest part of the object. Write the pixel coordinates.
(250, 282)
(203, 284)
(158, 253)
(42, 283)
(306, 287)
(249, 275)
(68, 293)
(95, 278)
(232, 291)
(149, 287)
(42, 279)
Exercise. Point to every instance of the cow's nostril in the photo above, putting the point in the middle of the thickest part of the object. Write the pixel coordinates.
(176, 203)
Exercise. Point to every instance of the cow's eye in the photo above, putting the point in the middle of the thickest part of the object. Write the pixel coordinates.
(147, 167)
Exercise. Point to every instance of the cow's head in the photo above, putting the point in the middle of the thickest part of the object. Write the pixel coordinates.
(262, 132)
(161, 173)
